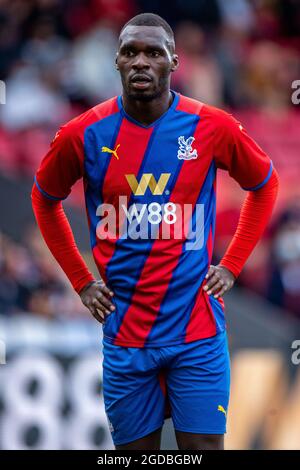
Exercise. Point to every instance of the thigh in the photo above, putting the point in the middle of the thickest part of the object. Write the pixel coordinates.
(133, 398)
(150, 442)
(192, 441)
(198, 388)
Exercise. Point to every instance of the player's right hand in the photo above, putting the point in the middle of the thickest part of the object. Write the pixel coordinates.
(96, 297)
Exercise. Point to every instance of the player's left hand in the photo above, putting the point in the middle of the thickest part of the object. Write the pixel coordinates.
(218, 281)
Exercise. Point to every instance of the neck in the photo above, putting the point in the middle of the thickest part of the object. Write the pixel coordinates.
(147, 112)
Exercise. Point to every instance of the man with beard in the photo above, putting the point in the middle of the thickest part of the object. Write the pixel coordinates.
(148, 159)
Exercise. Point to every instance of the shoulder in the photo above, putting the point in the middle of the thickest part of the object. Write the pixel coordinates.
(217, 117)
(188, 105)
(223, 123)
(75, 127)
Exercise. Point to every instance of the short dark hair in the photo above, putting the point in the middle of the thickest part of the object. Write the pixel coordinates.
(151, 19)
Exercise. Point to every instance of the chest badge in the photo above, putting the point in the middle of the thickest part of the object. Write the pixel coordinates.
(185, 151)
(114, 152)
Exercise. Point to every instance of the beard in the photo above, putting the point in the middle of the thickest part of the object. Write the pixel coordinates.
(143, 96)
(146, 96)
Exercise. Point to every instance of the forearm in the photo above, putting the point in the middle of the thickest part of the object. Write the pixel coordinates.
(254, 217)
(58, 235)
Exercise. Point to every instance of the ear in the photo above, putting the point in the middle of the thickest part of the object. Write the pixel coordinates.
(116, 61)
(175, 62)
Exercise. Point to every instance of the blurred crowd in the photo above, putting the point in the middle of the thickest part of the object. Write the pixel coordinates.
(57, 60)
(31, 281)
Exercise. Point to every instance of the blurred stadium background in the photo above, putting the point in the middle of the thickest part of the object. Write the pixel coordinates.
(57, 60)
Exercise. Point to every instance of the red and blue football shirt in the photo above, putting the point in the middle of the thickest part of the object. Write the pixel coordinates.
(150, 195)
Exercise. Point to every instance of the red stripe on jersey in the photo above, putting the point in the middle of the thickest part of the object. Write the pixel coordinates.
(140, 316)
(133, 141)
(209, 246)
(200, 324)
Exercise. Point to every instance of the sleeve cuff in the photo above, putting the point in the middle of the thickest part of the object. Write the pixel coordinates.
(260, 185)
(49, 196)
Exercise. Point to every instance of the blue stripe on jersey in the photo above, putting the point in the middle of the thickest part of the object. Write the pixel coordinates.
(103, 132)
(160, 157)
(188, 275)
(218, 313)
